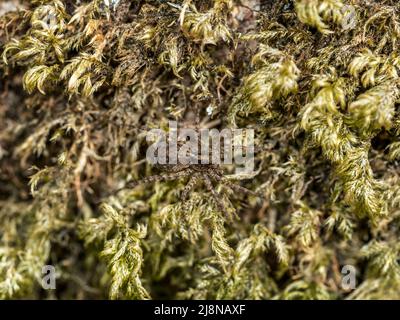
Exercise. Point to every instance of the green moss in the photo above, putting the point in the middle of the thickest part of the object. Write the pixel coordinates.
(82, 81)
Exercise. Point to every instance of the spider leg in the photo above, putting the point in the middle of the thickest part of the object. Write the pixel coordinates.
(156, 178)
(174, 168)
(239, 188)
(233, 186)
(216, 175)
(163, 177)
(189, 186)
(215, 196)
(185, 204)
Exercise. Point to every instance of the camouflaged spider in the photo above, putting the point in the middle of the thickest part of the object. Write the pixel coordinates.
(207, 174)
(197, 173)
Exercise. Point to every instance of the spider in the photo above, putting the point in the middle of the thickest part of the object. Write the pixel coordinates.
(206, 174)
(199, 173)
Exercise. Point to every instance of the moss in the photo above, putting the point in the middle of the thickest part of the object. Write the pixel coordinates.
(82, 82)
